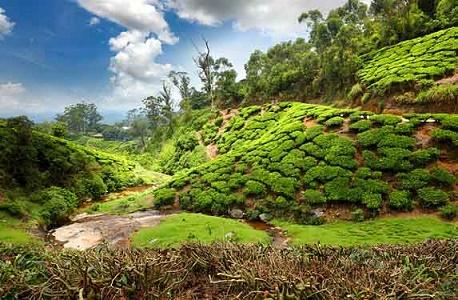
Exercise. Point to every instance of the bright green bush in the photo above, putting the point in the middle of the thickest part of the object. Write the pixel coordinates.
(253, 187)
(355, 92)
(413, 180)
(385, 119)
(446, 93)
(313, 197)
(400, 200)
(361, 125)
(164, 197)
(372, 201)
(58, 204)
(334, 122)
(444, 135)
(431, 197)
(449, 211)
(423, 156)
(442, 176)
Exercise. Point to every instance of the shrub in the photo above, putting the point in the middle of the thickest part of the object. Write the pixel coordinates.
(385, 119)
(431, 197)
(334, 122)
(372, 137)
(444, 93)
(372, 201)
(413, 180)
(314, 197)
(400, 200)
(444, 135)
(253, 187)
(357, 215)
(423, 156)
(58, 204)
(13, 208)
(449, 211)
(355, 92)
(396, 141)
(164, 196)
(443, 176)
(361, 125)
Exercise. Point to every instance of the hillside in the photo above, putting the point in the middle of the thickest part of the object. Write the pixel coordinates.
(284, 160)
(406, 73)
(43, 179)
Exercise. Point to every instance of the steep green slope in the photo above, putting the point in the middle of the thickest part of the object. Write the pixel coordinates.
(45, 178)
(430, 57)
(286, 159)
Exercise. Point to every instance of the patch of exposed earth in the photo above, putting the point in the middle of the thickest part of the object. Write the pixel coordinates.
(87, 231)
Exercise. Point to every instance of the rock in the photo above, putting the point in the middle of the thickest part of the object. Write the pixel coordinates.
(236, 213)
(317, 212)
(230, 236)
(265, 217)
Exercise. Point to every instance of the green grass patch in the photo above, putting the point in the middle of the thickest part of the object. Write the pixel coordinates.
(390, 230)
(189, 227)
(124, 205)
(12, 231)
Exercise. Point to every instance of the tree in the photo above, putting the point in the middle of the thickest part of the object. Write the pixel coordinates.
(205, 65)
(81, 117)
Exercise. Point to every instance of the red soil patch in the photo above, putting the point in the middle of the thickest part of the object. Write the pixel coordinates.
(423, 135)
(449, 80)
(212, 150)
(308, 122)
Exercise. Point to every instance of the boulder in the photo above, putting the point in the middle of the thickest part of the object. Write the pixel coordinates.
(317, 212)
(236, 213)
(265, 217)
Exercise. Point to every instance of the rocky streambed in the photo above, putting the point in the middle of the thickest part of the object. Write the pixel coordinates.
(86, 231)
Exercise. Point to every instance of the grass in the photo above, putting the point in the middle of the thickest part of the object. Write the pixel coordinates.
(124, 205)
(12, 231)
(186, 227)
(390, 230)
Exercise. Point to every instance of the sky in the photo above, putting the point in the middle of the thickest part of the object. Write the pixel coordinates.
(115, 53)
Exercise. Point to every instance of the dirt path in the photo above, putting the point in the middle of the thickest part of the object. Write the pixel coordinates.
(87, 231)
(279, 240)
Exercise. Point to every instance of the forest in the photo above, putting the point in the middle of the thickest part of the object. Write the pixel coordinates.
(330, 171)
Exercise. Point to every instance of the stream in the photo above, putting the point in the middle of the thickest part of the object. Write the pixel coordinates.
(90, 230)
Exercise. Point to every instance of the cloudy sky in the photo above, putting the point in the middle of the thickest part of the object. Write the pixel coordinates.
(116, 52)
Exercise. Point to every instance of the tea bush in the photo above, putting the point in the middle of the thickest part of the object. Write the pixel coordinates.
(432, 197)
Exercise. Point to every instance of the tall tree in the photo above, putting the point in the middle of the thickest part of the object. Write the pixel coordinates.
(81, 117)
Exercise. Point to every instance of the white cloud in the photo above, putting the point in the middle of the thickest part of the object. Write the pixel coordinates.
(94, 21)
(10, 95)
(6, 26)
(141, 15)
(136, 73)
(273, 17)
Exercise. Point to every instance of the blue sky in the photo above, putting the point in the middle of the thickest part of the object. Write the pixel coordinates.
(116, 52)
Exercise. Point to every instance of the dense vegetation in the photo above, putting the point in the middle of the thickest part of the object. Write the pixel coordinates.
(227, 271)
(270, 162)
(46, 178)
(414, 62)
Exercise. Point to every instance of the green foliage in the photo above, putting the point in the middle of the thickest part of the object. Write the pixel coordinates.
(442, 176)
(413, 180)
(253, 187)
(164, 197)
(447, 93)
(355, 92)
(334, 122)
(361, 125)
(357, 215)
(444, 135)
(314, 197)
(400, 200)
(372, 201)
(57, 205)
(427, 57)
(449, 211)
(431, 197)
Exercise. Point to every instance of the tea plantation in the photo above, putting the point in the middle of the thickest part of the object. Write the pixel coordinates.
(416, 61)
(285, 160)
